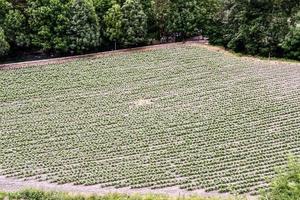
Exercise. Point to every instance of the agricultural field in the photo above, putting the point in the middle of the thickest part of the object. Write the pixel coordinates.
(183, 116)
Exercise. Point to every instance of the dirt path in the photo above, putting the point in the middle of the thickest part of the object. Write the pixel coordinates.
(13, 185)
(89, 56)
(137, 49)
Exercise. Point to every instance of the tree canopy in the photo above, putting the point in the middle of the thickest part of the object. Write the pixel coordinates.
(257, 27)
(263, 27)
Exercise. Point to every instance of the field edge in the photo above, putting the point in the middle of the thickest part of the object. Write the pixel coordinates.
(8, 185)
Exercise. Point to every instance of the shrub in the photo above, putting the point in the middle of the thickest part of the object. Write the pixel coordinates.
(287, 185)
(101, 8)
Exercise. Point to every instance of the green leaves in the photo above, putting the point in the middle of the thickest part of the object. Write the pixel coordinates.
(71, 27)
(286, 185)
(255, 27)
(16, 29)
(84, 27)
(4, 46)
(134, 23)
(5, 6)
(62, 27)
(113, 23)
(49, 22)
(291, 42)
(190, 17)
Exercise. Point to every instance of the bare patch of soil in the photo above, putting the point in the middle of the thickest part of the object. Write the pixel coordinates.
(142, 102)
(245, 57)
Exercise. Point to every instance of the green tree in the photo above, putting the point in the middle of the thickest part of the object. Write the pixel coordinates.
(48, 22)
(291, 43)
(4, 46)
(5, 6)
(134, 24)
(113, 23)
(161, 9)
(16, 29)
(253, 27)
(84, 26)
(101, 8)
(152, 31)
(188, 18)
(286, 186)
(183, 17)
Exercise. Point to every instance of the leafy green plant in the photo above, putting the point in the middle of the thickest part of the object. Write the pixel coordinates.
(183, 116)
(255, 27)
(286, 185)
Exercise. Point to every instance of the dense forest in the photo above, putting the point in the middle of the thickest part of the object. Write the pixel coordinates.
(67, 27)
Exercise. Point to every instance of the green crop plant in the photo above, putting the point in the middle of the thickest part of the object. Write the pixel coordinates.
(183, 116)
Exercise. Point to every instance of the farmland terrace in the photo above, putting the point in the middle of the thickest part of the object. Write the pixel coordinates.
(183, 116)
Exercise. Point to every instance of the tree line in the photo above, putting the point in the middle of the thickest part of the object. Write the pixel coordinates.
(64, 27)
(259, 27)
(78, 26)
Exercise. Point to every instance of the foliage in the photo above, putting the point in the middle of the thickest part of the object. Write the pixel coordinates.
(264, 27)
(183, 17)
(188, 18)
(5, 6)
(48, 22)
(161, 9)
(16, 29)
(101, 8)
(113, 23)
(134, 23)
(152, 28)
(291, 43)
(286, 186)
(84, 26)
(4, 46)
(253, 27)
